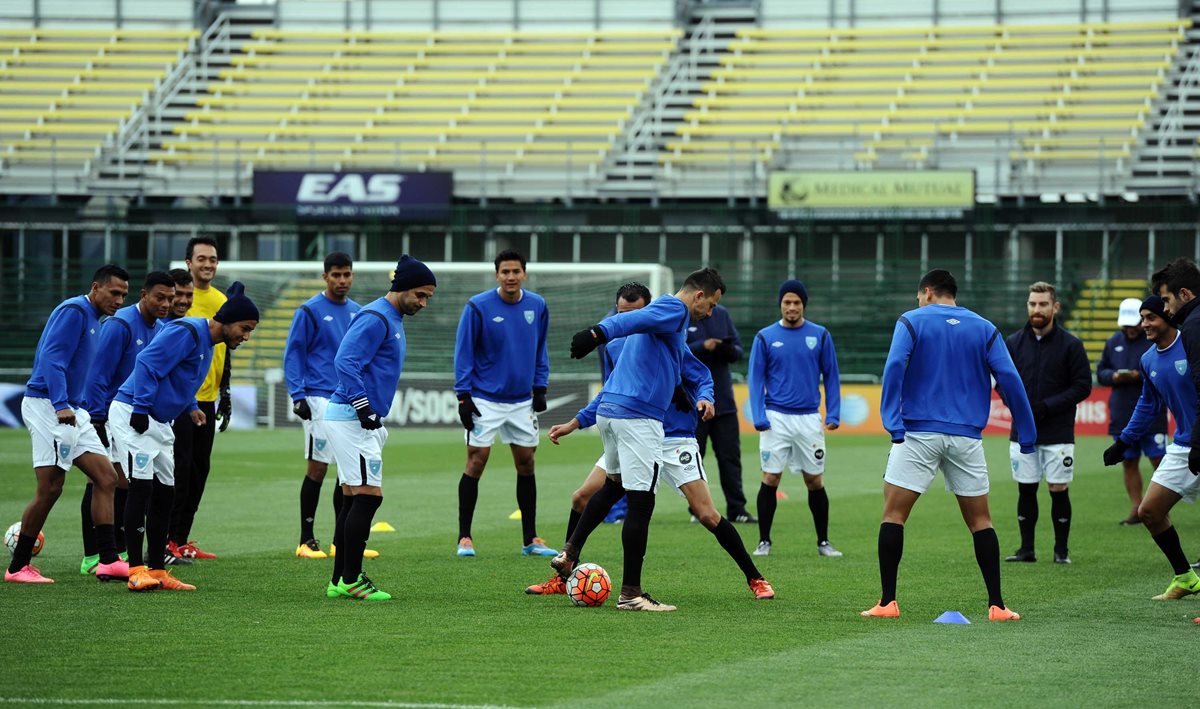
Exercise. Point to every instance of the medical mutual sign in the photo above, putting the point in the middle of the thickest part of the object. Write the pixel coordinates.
(872, 190)
(354, 195)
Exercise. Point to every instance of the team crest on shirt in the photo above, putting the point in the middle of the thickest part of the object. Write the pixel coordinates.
(319, 443)
(374, 466)
(140, 461)
(1181, 366)
(529, 316)
(811, 342)
(64, 451)
(497, 319)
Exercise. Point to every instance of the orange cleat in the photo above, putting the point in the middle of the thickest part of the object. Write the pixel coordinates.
(141, 580)
(191, 551)
(554, 586)
(891, 610)
(761, 588)
(167, 582)
(998, 613)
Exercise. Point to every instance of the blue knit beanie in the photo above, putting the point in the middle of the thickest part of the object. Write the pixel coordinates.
(794, 286)
(238, 307)
(411, 273)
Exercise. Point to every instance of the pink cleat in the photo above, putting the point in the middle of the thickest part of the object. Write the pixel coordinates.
(28, 574)
(116, 570)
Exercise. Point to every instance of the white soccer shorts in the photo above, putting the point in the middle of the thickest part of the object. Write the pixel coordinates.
(316, 440)
(794, 440)
(144, 456)
(55, 443)
(1054, 462)
(1173, 473)
(603, 465)
(357, 452)
(516, 423)
(913, 463)
(634, 447)
(681, 462)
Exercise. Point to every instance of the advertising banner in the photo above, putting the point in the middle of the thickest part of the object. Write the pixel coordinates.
(872, 190)
(354, 195)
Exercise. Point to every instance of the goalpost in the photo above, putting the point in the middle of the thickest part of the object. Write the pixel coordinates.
(577, 295)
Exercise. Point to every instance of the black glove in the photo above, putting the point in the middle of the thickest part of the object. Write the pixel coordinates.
(1115, 453)
(367, 418)
(466, 407)
(1194, 460)
(681, 400)
(224, 411)
(1039, 411)
(539, 399)
(139, 422)
(585, 341)
(101, 431)
(300, 408)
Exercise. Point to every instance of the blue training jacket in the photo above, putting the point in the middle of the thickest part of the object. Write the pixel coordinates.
(1120, 352)
(64, 354)
(169, 372)
(787, 366)
(371, 357)
(1166, 383)
(122, 339)
(317, 330)
(500, 349)
(938, 376)
(644, 377)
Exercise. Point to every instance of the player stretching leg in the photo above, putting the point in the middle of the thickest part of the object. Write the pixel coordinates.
(368, 364)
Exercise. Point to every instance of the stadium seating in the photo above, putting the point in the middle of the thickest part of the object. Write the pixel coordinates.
(1094, 318)
(65, 93)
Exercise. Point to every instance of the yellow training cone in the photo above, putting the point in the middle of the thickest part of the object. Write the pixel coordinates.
(382, 527)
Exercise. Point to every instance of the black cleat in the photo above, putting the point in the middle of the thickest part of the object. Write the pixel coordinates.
(172, 560)
(1062, 557)
(1130, 521)
(743, 518)
(1022, 555)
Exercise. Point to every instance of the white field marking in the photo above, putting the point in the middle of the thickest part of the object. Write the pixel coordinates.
(43, 701)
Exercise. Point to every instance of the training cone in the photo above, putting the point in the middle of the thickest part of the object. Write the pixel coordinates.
(382, 527)
(952, 618)
(515, 515)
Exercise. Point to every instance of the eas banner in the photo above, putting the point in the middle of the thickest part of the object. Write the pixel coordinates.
(354, 195)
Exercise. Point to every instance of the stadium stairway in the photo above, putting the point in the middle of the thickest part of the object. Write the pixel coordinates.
(265, 349)
(1094, 317)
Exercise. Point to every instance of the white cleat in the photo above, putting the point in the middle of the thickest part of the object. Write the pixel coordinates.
(826, 549)
(763, 549)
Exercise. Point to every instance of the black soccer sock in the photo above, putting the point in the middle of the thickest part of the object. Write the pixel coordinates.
(1168, 541)
(729, 539)
(572, 522)
(157, 524)
(310, 496)
(119, 496)
(135, 520)
(767, 503)
(634, 535)
(106, 543)
(87, 526)
(337, 500)
(987, 555)
(527, 504)
(468, 494)
(1027, 513)
(23, 553)
(891, 549)
(339, 535)
(1060, 513)
(818, 504)
(358, 530)
(593, 515)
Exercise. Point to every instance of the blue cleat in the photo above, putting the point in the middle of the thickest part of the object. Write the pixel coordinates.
(465, 547)
(538, 548)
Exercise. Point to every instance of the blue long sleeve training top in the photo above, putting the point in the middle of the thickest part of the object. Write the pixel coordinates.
(169, 371)
(644, 378)
(1166, 383)
(937, 378)
(500, 349)
(1120, 352)
(787, 367)
(317, 329)
(122, 339)
(64, 354)
(371, 357)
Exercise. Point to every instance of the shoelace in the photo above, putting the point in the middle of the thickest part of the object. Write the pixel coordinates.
(650, 600)
(313, 544)
(367, 584)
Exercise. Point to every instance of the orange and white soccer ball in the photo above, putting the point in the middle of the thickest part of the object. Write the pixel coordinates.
(10, 539)
(588, 585)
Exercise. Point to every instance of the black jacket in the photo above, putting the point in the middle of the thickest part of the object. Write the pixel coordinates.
(1057, 376)
(1188, 321)
(720, 326)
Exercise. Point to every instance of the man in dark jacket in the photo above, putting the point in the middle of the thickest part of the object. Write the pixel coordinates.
(1057, 376)
(716, 343)
(1120, 368)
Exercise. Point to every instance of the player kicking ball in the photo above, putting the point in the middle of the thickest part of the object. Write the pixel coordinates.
(166, 376)
(368, 364)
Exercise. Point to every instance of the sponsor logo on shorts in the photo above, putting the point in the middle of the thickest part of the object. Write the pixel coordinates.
(320, 443)
(685, 457)
(811, 342)
(140, 461)
(374, 466)
(819, 454)
(1068, 462)
(529, 316)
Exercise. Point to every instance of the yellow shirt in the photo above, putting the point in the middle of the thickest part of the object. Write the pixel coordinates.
(205, 304)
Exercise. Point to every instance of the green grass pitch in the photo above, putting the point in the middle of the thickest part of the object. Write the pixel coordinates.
(260, 632)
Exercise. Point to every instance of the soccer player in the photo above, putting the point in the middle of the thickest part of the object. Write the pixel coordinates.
(788, 362)
(184, 292)
(1120, 368)
(163, 385)
(193, 443)
(60, 426)
(500, 374)
(630, 414)
(715, 341)
(317, 329)
(1057, 376)
(122, 337)
(1166, 383)
(368, 364)
(935, 403)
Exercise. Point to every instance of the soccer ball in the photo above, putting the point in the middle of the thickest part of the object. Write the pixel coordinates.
(10, 539)
(588, 585)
